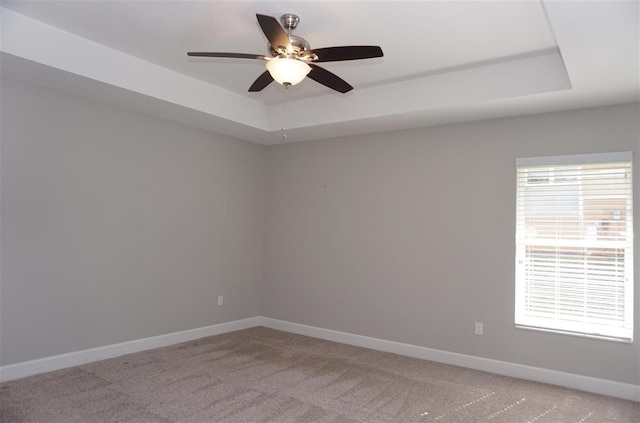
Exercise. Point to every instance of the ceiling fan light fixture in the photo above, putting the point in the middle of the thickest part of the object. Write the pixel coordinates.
(287, 71)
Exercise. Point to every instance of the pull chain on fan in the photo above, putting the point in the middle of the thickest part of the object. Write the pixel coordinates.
(284, 113)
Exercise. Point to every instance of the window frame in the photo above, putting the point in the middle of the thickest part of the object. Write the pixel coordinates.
(522, 318)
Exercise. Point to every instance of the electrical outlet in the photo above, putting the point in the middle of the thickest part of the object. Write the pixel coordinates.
(220, 298)
(479, 328)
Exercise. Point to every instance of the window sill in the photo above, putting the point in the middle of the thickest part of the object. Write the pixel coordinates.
(578, 334)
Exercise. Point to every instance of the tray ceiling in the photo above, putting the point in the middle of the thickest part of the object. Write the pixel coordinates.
(444, 61)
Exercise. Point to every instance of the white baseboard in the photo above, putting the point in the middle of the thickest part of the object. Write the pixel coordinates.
(553, 377)
(57, 362)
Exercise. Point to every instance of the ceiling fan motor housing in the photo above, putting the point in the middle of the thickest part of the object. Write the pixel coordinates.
(299, 45)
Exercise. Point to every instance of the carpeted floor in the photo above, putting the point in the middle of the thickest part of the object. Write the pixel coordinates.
(264, 375)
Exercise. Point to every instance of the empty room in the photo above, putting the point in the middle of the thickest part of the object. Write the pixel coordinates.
(319, 211)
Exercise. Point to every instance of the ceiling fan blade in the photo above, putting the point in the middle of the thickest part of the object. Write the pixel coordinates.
(336, 54)
(275, 33)
(328, 79)
(262, 81)
(229, 55)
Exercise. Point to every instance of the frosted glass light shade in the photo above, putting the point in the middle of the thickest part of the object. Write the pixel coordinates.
(287, 71)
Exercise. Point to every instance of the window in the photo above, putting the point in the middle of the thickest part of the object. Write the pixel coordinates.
(574, 245)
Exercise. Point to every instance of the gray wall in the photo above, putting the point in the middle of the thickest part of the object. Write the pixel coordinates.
(118, 226)
(409, 236)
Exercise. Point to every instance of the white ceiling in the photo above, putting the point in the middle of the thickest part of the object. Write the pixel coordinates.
(444, 61)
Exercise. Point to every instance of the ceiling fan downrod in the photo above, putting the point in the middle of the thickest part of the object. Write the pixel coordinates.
(290, 22)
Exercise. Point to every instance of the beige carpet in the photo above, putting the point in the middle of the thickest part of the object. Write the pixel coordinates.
(263, 375)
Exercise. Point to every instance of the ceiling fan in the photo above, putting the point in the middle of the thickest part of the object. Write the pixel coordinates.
(292, 58)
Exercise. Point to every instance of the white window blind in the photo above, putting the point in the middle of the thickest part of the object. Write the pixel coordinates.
(574, 245)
